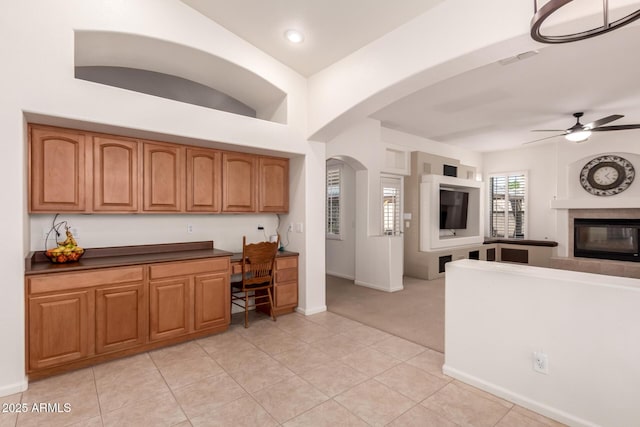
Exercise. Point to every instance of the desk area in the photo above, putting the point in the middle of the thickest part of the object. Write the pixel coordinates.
(119, 301)
(285, 298)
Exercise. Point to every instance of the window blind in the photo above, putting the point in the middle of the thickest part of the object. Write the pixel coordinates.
(391, 207)
(333, 201)
(507, 201)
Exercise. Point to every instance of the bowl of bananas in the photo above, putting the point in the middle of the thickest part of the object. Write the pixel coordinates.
(67, 251)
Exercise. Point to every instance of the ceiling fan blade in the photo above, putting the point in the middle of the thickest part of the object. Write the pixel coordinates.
(619, 127)
(603, 121)
(542, 139)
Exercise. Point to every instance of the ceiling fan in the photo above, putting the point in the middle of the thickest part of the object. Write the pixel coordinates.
(580, 132)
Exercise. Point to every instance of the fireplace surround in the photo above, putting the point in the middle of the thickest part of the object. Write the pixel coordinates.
(608, 266)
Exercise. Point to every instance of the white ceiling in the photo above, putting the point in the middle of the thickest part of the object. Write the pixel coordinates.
(490, 108)
(496, 106)
(332, 28)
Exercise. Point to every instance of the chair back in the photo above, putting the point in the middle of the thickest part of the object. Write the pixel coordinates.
(258, 260)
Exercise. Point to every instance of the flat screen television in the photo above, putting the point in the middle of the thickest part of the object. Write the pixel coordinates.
(453, 209)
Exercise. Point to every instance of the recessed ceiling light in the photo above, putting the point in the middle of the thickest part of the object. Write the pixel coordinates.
(294, 36)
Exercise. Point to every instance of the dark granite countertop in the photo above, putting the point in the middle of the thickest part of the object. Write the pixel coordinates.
(236, 256)
(119, 256)
(37, 263)
(524, 242)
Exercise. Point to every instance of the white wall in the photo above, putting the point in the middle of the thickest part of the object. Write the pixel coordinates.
(38, 81)
(341, 253)
(553, 172)
(366, 143)
(542, 163)
(497, 315)
(122, 230)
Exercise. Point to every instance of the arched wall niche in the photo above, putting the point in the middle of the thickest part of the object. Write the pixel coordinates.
(170, 70)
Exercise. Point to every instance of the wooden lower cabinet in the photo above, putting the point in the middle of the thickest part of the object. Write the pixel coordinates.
(120, 317)
(60, 328)
(285, 286)
(211, 301)
(188, 296)
(169, 308)
(79, 318)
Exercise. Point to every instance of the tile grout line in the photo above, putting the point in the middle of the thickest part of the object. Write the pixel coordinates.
(239, 385)
(355, 415)
(170, 389)
(95, 384)
(502, 417)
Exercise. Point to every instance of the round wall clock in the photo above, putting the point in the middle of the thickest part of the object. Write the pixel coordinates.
(607, 175)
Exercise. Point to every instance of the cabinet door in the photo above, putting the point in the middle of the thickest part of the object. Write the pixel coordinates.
(169, 311)
(60, 328)
(286, 283)
(273, 184)
(286, 295)
(238, 182)
(211, 300)
(163, 177)
(115, 181)
(58, 170)
(120, 317)
(203, 180)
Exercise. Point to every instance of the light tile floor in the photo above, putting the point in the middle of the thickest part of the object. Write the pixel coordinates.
(320, 370)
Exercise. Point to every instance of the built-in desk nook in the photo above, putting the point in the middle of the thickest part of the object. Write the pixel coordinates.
(124, 300)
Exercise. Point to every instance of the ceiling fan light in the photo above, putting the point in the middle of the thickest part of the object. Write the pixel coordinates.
(579, 136)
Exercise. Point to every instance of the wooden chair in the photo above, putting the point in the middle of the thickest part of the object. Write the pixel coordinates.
(258, 265)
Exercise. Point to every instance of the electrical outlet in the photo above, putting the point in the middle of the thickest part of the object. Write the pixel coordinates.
(75, 231)
(540, 362)
(290, 227)
(189, 228)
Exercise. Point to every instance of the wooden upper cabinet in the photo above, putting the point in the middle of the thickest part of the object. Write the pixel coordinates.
(203, 180)
(115, 180)
(238, 182)
(273, 178)
(58, 170)
(78, 171)
(163, 177)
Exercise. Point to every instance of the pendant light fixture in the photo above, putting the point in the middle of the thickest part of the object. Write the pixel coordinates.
(552, 6)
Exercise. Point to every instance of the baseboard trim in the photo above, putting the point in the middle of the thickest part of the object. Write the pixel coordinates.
(9, 389)
(518, 399)
(310, 311)
(340, 275)
(376, 287)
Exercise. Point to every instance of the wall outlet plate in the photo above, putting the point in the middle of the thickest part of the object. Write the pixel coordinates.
(540, 362)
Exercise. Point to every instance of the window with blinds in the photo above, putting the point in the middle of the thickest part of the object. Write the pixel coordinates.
(391, 205)
(334, 191)
(507, 205)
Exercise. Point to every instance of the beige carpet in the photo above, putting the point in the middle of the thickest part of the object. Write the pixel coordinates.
(415, 313)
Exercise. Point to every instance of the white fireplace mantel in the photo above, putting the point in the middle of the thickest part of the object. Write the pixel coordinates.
(612, 202)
